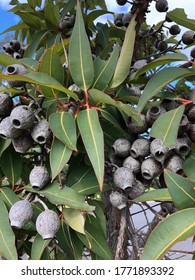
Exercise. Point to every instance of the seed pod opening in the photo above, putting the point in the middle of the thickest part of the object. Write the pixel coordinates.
(123, 178)
(16, 69)
(41, 132)
(47, 224)
(22, 117)
(20, 213)
(175, 164)
(150, 168)
(158, 150)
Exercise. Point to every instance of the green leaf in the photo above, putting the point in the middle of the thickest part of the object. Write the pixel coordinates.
(4, 144)
(38, 247)
(51, 65)
(20, 25)
(181, 190)
(98, 97)
(167, 58)
(92, 136)
(160, 80)
(8, 197)
(42, 79)
(7, 237)
(64, 128)
(179, 16)
(6, 60)
(80, 59)
(36, 40)
(52, 13)
(11, 165)
(65, 196)
(124, 62)
(155, 195)
(188, 166)
(30, 19)
(95, 241)
(75, 219)
(59, 156)
(171, 230)
(166, 126)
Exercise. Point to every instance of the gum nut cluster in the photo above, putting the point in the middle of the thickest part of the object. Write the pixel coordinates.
(39, 177)
(14, 49)
(47, 224)
(20, 213)
(122, 19)
(137, 163)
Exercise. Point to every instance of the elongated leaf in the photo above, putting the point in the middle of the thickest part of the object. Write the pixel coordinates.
(20, 25)
(124, 62)
(80, 59)
(189, 166)
(59, 156)
(92, 136)
(11, 165)
(30, 19)
(166, 126)
(96, 242)
(38, 247)
(51, 64)
(64, 128)
(39, 78)
(8, 197)
(171, 230)
(36, 40)
(103, 70)
(52, 14)
(65, 196)
(155, 195)
(98, 97)
(6, 60)
(161, 79)
(179, 16)
(181, 190)
(75, 219)
(4, 144)
(7, 237)
(167, 58)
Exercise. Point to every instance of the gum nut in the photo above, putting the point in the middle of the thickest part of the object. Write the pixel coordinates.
(39, 177)
(183, 145)
(161, 6)
(22, 143)
(190, 113)
(188, 37)
(158, 150)
(64, 25)
(169, 104)
(121, 147)
(150, 168)
(139, 64)
(192, 53)
(20, 213)
(7, 49)
(121, 2)
(7, 130)
(191, 132)
(47, 224)
(16, 69)
(126, 19)
(22, 117)
(41, 132)
(183, 126)
(134, 127)
(123, 178)
(15, 45)
(153, 113)
(162, 46)
(118, 20)
(174, 29)
(134, 91)
(115, 160)
(118, 199)
(6, 104)
(17, 55)
(137, 190)
(140, 148)
(175, 164)
(132, 164)
(168, 207)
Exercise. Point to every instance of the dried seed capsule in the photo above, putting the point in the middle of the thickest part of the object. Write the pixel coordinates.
(7, 49)
(16, 69)
(121, 2)
(183, 126)
(6, 104)
(188, 37)
(118, 199)
(150, 168)
(158, 150)
(139, 64)
(22, 143)
(140, 148)
(15, 45)
(118, 20)
(134, 91)
(20, 213)
(162, 6)
(168, 207)
(190, 113)
(137, 190)
(17, 55)
(191, 132)
(175, 164)
(126, 19)
(115, 160)
(174, 29)
(121, 147)
(123, 178)
(22, 117)
(153, 113)
(41, 132)
(39, 177)
(134, 127)
(47, 224)
(183, 145)
(7, 130)
(192, 53)
(132, 164)
(162, 46)
(169, 104)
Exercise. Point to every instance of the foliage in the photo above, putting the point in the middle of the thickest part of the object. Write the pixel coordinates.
(80, 80)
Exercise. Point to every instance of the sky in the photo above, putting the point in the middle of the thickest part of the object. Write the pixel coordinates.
(8, 19)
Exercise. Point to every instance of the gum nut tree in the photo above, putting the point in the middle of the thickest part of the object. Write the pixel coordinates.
(77, 77)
